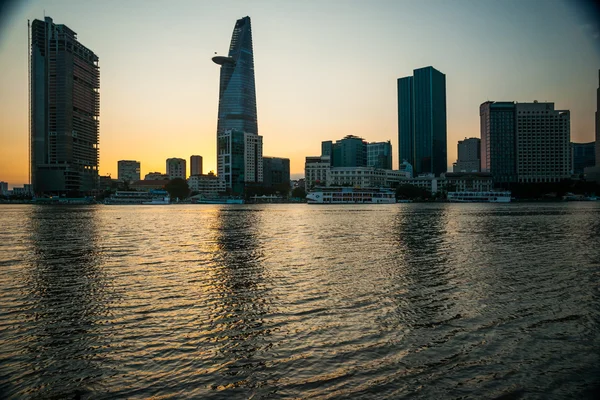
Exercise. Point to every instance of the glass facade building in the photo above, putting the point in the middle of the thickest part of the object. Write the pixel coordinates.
(237, 118)
(379, 155)
(351, 151)
(498, 140)
(422, 120)
(584, 155)
(64, 110)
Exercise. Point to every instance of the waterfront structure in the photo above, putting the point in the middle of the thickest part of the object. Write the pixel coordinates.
(498, 140)
(428, 182)
(152, 176)
(350, 195)
(239, 159)
(149, 184)
(480, 197)
(379, 155)
(208, 185)
(64, 102)
(276, 172)
(469, 181)
(422, 120)
(3, 188)
(525, 142)
(128, 170)
(364, 177)
(195, 165)
(469, 156)
(176, 168)
(583, 155)
(237, 119)
(316, 169)
(543, 143)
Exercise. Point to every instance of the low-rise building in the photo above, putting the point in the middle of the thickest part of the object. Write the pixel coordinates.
(156, 176)
(207, 184)
(316, 169)
(469, 182)
(364, 177)
(150, 184)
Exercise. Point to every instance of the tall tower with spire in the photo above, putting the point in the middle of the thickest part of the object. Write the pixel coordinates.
(239, 147)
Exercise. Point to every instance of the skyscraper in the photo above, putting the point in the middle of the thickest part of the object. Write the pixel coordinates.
(598, 122)
(237, 111)
(525, 142)
(195, 165)
(422, 120)
(64, 110)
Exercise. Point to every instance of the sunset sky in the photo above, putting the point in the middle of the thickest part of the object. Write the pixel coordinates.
(324, 69)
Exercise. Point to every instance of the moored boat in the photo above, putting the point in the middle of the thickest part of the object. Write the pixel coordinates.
(479, 197)
(350, 195)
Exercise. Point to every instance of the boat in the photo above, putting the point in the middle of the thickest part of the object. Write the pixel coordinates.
(480, 197)
(131, 197)
(350, 195)
(204, 199)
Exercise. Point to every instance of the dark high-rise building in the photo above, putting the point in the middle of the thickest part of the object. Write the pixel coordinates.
(422, 120)
(498, 140)
(64, 110)
(469, 156)
(128, 170)
(598, 122)
(276, 172)
(351, 151)
(237, 113)
(583, 156)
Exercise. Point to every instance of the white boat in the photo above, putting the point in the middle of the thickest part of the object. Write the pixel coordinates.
(479, 197)
(350, 195)
(133, 197)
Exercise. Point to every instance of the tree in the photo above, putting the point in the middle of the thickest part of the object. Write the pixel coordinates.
(178, 188)
(408, 191)
(299, 193)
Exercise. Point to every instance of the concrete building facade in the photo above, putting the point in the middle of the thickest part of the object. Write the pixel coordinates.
(64, 110)
(128, 170)
(469, 155)
(176, 168)
(543, 143)
(316, 170)
(209, 184)
(195, 165)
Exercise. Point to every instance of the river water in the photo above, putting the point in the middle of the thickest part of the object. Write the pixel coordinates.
(296, 301)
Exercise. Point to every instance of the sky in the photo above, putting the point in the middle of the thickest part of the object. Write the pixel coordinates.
(324, 69)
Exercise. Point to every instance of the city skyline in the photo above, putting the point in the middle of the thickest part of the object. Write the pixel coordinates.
(161, 102)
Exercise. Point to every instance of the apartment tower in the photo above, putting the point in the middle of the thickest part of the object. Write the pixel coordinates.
(64, 102)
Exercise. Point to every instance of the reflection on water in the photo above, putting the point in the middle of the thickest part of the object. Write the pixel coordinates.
(280, 301)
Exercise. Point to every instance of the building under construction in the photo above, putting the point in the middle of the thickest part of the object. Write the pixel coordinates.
(64, 84)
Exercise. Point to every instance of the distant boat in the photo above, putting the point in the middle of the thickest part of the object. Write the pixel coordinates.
(479, 197)
(153, 197)
(218, 200)
(350, 195)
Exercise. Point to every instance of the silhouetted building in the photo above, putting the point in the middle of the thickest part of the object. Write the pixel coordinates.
(237, 112)
(422, 120)
(64, 110)
(128, 170)
(593, 173)
(469, 156)
(176, 168)
(3, 188)
(379, 155)
(351, 151)
(583, 156)
(156, 176)
(195, 165)
(276, 171)
(498, 140)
